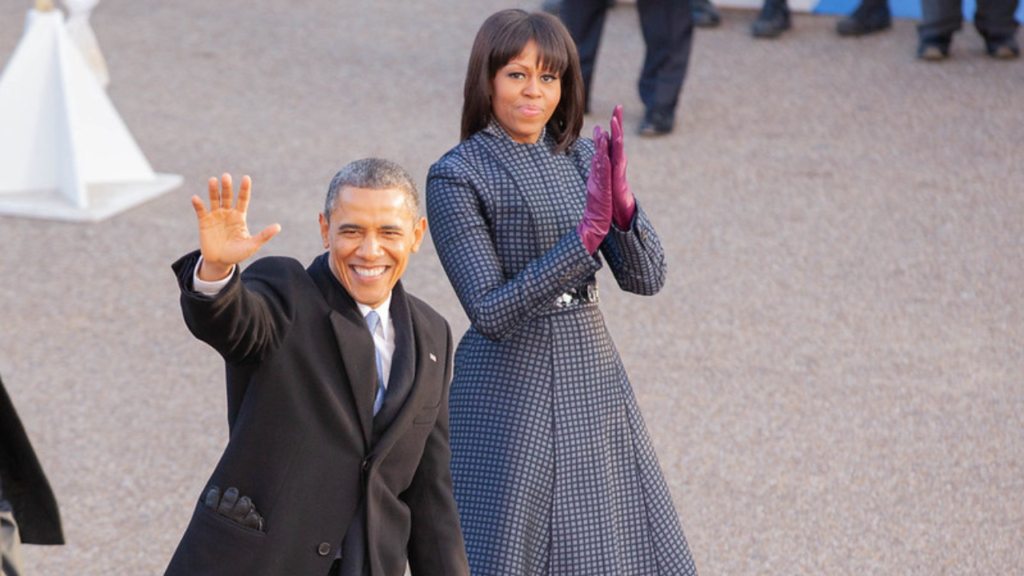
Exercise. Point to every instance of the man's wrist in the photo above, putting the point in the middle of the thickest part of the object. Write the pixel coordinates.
(209, 287)
(211, 272)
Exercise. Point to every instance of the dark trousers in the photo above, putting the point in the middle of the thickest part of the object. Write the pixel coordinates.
(871, 6)
(993, 18)
(667, 26)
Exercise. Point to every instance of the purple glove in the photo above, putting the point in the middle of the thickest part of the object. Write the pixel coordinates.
(623, 203)
(597, 215)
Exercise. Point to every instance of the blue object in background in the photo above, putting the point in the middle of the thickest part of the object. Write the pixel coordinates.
(899, 8)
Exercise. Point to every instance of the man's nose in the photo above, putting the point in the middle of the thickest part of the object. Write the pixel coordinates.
(369, 247)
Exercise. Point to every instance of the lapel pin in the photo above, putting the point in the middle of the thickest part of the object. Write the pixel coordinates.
(433, 358)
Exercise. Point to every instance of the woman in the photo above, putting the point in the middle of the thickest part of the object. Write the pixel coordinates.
(553, 468)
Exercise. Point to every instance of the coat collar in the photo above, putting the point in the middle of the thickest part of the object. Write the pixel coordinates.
(494, 128)
(403, 362)
(355, 344)
(428, 368)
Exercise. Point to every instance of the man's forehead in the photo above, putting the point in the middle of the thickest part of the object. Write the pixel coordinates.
(357, 203)
(371, 194)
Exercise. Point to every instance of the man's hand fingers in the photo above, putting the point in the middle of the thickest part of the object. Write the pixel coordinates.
(214, 191)
(226, 192)
(266, 234)
(243, 194)
(199, 207)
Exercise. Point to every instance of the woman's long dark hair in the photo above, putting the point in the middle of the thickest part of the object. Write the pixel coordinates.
(501, 38)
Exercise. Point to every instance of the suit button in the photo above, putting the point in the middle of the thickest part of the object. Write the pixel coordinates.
(366, 464)
(323, 549)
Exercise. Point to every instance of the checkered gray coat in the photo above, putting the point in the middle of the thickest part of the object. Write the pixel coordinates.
(553, 467)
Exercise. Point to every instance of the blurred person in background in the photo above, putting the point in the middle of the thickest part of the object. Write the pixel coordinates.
(994, 20)
(667, 27)
(868, 17)
(28, 510)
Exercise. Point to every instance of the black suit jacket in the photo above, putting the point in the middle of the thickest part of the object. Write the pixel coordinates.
(301, 379)
(23, 483)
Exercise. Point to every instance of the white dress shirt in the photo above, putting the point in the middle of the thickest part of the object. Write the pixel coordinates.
(383, 338)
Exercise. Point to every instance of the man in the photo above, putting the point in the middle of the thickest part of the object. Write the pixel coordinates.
(995, 20)
(28, 510)
(338, 458)
(667, 26)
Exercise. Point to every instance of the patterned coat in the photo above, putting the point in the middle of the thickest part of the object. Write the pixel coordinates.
(554, 471)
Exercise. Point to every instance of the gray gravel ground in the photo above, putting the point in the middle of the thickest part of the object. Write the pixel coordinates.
(832, 376)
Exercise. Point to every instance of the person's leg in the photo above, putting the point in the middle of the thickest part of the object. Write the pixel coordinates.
(773, 19)
(667, 27)
(705, 14)
(585, 20)
(995, 21)
(939, 20)
(10, 541)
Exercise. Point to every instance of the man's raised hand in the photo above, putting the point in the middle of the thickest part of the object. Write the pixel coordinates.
(223, 234)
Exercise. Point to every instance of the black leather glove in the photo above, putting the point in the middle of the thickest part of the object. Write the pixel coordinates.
(229, 505)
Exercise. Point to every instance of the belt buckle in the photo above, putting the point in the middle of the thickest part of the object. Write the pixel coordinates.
(563, 301)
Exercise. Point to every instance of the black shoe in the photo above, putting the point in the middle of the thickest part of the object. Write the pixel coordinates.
(772, 21)
(934, 49)
(705, 15)
(865, 20)
(656, 123)
(1002, 47)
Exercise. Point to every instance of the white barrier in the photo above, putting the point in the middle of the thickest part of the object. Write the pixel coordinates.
(65, 153)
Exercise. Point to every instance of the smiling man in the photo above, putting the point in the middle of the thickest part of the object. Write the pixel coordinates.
(337, 392)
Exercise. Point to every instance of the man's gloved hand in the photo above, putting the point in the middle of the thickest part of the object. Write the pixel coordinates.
(597, 215)
(240, 510)
(623, 202)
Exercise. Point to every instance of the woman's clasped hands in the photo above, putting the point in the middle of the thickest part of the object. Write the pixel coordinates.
(609, 197)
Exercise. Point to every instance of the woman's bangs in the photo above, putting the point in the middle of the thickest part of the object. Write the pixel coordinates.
(553, 55)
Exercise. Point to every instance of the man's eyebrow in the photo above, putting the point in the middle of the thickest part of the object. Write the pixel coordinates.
(349, 226)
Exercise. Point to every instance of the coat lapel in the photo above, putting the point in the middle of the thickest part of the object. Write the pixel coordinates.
(355, 344)
(427, 379)
(403, 363)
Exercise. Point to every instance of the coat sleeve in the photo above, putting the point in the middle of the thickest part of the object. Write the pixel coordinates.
(436, 545)
(247, 319)
(495, 305)
(635, 256)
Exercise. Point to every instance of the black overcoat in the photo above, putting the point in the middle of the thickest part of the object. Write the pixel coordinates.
(23, 482)
(301, 379)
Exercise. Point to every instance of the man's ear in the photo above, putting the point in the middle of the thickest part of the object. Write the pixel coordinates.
(419, 230)
(325, 227)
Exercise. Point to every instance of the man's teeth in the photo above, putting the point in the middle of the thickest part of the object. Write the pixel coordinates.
(369, 272)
